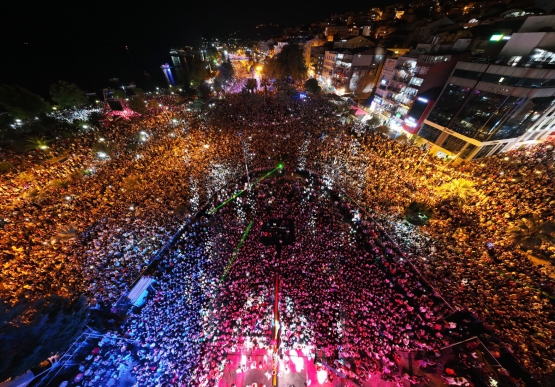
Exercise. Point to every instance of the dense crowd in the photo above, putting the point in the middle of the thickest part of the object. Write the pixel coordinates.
(369, 306)
(455, 251)
(163, 167)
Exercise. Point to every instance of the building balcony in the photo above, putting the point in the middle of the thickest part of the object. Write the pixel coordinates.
(404, 80)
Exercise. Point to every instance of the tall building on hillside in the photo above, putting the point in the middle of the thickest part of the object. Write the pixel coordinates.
(332, 32)
(356, 42)
(311, 54)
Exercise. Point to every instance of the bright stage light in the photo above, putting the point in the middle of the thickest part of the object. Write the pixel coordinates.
(321, 375)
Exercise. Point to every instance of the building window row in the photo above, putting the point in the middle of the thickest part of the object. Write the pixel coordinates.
(487, 116)
(504, 80)
(429, 133)
(453, 144)
(484, 151)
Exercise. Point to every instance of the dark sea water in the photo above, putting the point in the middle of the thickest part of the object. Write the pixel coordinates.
(89, 66)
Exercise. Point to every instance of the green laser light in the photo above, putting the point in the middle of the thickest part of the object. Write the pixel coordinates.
(280, 166)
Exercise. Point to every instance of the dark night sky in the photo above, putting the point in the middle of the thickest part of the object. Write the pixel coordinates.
(85, 44)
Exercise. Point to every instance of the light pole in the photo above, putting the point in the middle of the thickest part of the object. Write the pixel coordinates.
(245, 155)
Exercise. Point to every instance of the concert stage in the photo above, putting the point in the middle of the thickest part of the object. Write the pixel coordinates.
(295, 369)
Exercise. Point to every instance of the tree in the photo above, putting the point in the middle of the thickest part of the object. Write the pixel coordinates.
(228, 66)
(198, 73)
(38, 143)
(374, 121)
(403, 137)
(457, 190)
(265, 84)
(5, 167)
(154, 105)
(21, 103)
(311, 85)
(119, 94)
(288, 63)
(103, 149)
(59, 183)
(217, 86)
(137, 104)
(530, 233)
(138, 91)
(32, 331)
(383, 129)
(418, 213)
(67, 95)
(204, 93)
(95, 118)
(251, 84)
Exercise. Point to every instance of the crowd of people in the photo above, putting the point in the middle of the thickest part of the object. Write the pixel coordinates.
(465, 250)
(127, 202)
(369, 306)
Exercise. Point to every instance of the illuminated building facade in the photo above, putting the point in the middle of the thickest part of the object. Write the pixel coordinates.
(353, 71)
(402, 82)
(488, 107)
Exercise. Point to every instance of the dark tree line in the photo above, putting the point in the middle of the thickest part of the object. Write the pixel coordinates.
(288, 63)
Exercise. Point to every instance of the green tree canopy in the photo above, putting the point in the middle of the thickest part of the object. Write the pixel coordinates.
(374, 121)
(40, 143)
(67, 95)
(227, 65)
(198, 72)
(138, 91)
(288, 63)
(418, 213)
(21, 103)
(530, 233)
(204, 93)
(119, 94)
(137, 104)
(251, 84)
(457, 190)
(383, 129)
(311, 85)
(403, 137)
(32, 331)
(154, 105)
